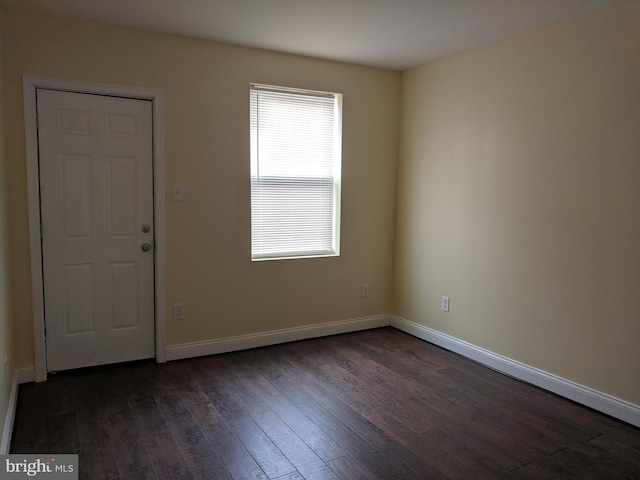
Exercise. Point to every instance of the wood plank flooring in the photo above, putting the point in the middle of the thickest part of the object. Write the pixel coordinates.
(377, 404)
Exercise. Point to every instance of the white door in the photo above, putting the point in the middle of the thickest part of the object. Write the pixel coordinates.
(96, 190)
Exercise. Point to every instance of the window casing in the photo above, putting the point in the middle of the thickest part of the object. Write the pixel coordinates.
(295, 172)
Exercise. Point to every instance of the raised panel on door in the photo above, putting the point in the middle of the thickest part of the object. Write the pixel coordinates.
(78, 288)
(96, 182)
(121, 125)
(76, 196)
(124, 295)
(73, 122)
(122, 192)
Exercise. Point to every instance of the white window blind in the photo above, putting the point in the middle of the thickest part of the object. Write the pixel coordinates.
(295, 173)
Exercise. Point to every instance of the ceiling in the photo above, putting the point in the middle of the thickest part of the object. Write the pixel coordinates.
(393, 34)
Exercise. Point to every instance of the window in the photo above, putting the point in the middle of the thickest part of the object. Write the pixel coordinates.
(295, 173)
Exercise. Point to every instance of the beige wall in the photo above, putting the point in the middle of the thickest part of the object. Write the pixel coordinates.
(519, 197)
(5, 299)
(517, 192)
(207, 146)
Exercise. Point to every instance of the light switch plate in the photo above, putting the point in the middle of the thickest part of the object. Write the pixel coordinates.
(177, 191)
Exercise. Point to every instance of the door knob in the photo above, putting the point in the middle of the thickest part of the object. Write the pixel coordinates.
(146, 247)
(145, 228)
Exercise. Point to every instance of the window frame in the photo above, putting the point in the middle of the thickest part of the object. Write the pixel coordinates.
(336, 178)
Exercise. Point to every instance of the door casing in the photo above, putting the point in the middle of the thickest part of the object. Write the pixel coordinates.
(30, 85)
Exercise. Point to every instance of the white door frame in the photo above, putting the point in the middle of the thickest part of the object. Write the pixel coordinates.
(30, 83)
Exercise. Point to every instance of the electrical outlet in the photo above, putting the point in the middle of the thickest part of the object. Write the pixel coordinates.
(364, 290)
(178, 311)
(445, 304)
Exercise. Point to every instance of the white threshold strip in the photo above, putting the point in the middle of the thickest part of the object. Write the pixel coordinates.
(602, 402)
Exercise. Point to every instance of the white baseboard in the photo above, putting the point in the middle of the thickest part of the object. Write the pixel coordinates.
(602, 402)
(615, 407)
(20, 375)
(25, 374)
(243, 342)
(7, 431)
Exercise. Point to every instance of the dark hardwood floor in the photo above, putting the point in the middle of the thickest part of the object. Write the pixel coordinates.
(378, 404)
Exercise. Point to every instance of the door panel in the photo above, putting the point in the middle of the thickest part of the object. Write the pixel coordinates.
(122, 192)
(78, 291)
(123, 295)
(76, 196)
(96, 188)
